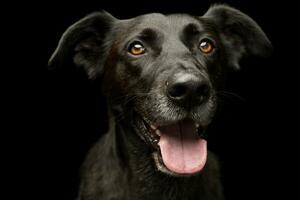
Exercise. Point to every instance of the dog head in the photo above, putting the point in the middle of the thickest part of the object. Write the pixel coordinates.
(166, 70)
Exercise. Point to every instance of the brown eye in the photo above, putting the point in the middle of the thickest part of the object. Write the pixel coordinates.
(136, 48)
(206, 46)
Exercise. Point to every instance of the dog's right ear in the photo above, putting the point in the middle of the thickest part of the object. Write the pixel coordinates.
(86, 43)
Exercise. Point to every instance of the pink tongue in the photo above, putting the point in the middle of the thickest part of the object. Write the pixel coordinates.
(183, 151)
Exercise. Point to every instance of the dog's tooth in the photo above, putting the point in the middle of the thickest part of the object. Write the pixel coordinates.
(197, 125)
(158, 132)
(153, 127)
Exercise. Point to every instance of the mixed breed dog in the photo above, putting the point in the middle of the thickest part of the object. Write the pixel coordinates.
(160, 74)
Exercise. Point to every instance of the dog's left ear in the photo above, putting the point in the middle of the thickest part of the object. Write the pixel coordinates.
(239, 34)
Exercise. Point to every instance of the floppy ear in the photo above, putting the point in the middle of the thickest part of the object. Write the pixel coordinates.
(239, 34)
(86, 44)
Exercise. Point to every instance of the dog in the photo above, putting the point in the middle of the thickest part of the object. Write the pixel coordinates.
(160, 75)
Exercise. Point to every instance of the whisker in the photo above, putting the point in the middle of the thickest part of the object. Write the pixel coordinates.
(230, 94)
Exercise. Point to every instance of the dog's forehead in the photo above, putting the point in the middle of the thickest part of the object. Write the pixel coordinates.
(164, 23)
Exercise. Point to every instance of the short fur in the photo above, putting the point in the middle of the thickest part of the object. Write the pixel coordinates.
(120, 166)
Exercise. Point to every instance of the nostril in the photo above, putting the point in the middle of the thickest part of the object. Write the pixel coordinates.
(202, 91)
(177, 90)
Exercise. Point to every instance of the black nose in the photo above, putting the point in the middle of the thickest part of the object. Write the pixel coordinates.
(188, 91)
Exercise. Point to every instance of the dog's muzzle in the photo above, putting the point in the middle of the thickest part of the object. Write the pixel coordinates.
(175, 126)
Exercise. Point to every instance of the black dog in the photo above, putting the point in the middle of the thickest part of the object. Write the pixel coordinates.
(160, 75)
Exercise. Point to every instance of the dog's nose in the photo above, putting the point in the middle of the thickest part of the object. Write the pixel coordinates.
(188, 90)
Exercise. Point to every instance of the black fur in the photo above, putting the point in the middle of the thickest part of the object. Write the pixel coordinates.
(120, 165)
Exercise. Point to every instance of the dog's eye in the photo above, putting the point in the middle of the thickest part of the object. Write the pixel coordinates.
(206, 46)
(136, 48)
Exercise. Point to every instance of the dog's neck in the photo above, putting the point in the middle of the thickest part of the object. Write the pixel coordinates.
(145, 181)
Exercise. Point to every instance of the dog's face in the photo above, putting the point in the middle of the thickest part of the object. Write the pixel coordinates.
(167, 64)
(166, 70)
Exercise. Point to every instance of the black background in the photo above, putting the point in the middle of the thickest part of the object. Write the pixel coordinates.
(55, 116)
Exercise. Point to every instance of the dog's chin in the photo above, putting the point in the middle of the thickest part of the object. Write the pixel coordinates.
(180, 147)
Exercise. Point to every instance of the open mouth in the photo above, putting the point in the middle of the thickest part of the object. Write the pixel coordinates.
(181, 147)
